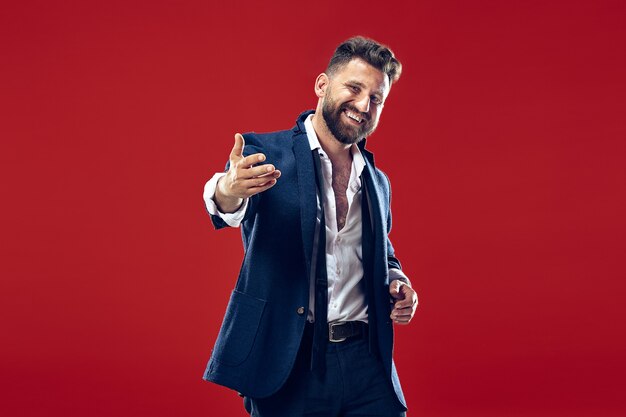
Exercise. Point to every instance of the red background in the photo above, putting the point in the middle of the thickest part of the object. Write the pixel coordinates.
(504, 141)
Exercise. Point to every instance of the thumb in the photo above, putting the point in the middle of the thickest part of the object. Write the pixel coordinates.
(237, 151)
(394, 289)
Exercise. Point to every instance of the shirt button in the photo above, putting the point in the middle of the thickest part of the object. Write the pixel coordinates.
(300, 311)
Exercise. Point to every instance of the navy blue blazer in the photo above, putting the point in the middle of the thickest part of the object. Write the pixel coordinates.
(263, 325)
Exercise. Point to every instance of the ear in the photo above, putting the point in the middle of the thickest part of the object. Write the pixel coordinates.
(321, 83)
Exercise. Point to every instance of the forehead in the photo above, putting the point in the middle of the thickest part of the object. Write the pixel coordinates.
(360, 72)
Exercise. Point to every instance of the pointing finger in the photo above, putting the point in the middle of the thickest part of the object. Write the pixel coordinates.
(259, 171)
(250, 160)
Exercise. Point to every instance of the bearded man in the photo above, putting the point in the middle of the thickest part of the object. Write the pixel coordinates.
(309, 326)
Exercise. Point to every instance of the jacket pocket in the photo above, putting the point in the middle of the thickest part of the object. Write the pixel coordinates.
(239, 328)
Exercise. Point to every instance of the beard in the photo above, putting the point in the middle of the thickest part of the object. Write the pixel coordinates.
(343, 131)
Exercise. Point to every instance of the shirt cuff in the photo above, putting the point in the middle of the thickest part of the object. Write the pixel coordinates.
(231, 219)
(395, 273)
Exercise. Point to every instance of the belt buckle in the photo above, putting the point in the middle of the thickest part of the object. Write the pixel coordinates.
(331, 333)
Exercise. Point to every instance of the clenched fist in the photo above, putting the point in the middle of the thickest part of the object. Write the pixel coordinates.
(405, 302)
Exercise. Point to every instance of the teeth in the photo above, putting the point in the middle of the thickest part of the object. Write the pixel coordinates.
(353, 116)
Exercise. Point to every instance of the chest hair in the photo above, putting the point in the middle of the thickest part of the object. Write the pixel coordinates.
(341, 178)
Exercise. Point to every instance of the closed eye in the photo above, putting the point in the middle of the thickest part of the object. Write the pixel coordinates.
(355, 89)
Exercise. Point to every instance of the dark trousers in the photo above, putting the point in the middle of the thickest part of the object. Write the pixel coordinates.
(354, 384)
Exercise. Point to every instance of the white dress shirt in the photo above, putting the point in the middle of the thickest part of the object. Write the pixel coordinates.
(346, 287)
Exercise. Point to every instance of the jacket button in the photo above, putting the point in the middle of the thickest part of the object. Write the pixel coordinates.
(300, 311)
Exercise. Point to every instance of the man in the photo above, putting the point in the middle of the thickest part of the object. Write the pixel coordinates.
(308, 329)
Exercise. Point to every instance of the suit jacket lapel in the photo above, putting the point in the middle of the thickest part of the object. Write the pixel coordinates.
(377, 207)
(306, 192)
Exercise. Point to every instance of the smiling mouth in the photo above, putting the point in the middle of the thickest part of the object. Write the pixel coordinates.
(353, 116)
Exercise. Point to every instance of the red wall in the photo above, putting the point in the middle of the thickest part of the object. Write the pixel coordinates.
(504, 141)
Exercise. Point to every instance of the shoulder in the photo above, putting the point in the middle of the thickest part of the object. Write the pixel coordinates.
(281, 139)
(382, 176)
(381, 179)
(383, 183)
(276, 140)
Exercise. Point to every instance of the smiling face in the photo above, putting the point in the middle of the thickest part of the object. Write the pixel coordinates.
(352, 100)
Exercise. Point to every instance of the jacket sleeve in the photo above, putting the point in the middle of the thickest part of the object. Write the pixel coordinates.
(393, 263)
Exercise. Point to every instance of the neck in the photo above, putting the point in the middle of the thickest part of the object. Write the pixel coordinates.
(335, 150)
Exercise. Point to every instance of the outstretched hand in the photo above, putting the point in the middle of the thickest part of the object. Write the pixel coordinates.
(244, 178)
(405, 302)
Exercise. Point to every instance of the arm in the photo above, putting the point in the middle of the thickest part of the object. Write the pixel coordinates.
(405, 298)
(219, 218)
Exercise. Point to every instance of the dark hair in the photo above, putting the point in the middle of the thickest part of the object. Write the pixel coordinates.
(377, 55)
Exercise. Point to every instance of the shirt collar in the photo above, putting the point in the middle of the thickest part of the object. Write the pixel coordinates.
(357, 158)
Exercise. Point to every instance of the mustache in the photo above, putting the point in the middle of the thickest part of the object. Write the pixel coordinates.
(364, 116)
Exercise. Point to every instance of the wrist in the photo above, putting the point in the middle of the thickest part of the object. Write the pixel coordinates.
(224, 202)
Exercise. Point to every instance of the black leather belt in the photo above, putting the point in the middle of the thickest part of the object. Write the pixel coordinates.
(340, 331)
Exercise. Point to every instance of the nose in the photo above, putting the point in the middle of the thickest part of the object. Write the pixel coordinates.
(363, 104)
